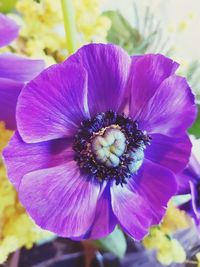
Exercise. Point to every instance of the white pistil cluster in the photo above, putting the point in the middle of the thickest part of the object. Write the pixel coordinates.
(109, 146)
(137, 158)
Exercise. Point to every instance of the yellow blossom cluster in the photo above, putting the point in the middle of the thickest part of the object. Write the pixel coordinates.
(175, 219)
(16, 228)
(169, 250)
(39, 37)
(198, 259)
(42, 30)
(90, 23)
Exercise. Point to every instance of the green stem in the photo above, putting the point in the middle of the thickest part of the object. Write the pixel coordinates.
(70, 25)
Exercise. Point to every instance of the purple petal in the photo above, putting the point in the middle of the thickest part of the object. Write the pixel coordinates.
(8, 30)
(172, 153)
(157, 185)
(60, 200)
(195, 199)
(105, 221)
(9, 92)
(56, 102)
(22, 158)
(171, 110)
(108, 68)
(183, 183)
(132, 211)
(194, 166)
(127, 94)
(145, 77)
(190, 173)
(19, 68)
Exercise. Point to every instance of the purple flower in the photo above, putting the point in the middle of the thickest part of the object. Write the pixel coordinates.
(99, 139)
(14, 71)
(189, 183)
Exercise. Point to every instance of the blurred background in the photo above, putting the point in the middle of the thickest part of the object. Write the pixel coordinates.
(139, 26)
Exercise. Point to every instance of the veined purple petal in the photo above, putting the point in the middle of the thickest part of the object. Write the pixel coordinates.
(145, 77)
(9, 92)
(132, 211)
(183, 184)
(169, 152)
(190, 173)
(189, 183)
(104, 221)
(194, 166)
(171, 111)
(22, 158)
(195, 201)
(8, 30)
(54, 104)
(125, 105)
(60, 200)
(19, 68)
(108, 68)
(156, 185)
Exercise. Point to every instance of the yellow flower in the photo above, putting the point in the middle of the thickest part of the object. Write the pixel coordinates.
(42, 32)
(155, 239)
(168, 249)
(171, 252)
(198, 259)
(16, 228)
(90, 23)
(175, 219)
(5, 136)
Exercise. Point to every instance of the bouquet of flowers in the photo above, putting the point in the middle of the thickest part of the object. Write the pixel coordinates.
(99, 148)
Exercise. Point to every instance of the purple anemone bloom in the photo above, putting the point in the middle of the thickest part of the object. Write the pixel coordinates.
(189, 183)
(14, 72)
(99, 139)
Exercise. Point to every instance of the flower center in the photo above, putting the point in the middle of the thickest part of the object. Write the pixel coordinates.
(110, 147)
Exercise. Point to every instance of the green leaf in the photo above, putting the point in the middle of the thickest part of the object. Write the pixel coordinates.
(115, 243)
(146, 35)
(195, 129)
(122, 33)
(7, 5)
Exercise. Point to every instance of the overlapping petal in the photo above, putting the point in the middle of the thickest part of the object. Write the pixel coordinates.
(156, 185)
(19, 68)
(104, 221)
(194, 166)
(183, 184)
(170, 152)
(188, 182)
(9, 92)
(171, 110)
(195, 200)
(146, 75)
(59, 199)
(8, 30)
(108, 68)
(132, 211)
(22, 158)
(57, 102)
(190, 173)
(145, 198)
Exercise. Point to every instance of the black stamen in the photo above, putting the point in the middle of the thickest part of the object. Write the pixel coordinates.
(84, 156)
